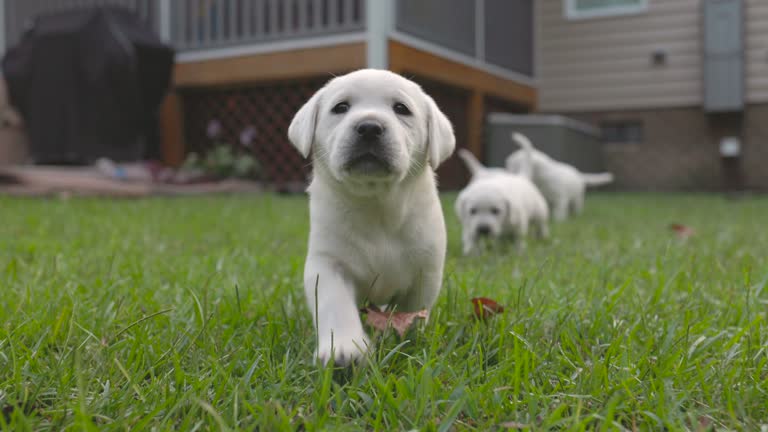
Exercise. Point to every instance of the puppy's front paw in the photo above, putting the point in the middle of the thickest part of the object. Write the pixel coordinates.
(345, 349)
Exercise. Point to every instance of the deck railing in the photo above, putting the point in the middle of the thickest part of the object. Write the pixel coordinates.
(205, 24)
(494, 34)
(20, 14)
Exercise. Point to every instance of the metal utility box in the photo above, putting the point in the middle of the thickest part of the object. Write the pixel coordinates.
(723, 33)
(562, 138)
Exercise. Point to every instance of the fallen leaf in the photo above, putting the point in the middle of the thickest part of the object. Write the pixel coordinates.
(514, 425)
(400, 321)
(682, 231)
(485, 307)
(704, 423)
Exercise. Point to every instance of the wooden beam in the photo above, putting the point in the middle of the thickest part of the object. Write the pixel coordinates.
(274, 66)
(172, 146)
(406, 59)
(475, 119)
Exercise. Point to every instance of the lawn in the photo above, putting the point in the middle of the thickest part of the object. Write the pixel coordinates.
(188, 314)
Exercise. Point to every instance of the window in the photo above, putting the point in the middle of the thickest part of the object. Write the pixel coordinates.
(622, 132)
(579, 9)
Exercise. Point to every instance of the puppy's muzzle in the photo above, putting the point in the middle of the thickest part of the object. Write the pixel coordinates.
(369, 154)
(483, 230)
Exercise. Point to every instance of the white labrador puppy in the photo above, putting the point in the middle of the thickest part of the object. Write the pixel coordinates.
(497, 203)
(476, 169)
(562, 185)
(377, 232)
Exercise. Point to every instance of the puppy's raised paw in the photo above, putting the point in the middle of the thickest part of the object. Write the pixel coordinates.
(345, 350)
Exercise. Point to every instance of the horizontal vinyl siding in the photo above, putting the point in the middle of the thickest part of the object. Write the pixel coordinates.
(756, 12)
(605, 63)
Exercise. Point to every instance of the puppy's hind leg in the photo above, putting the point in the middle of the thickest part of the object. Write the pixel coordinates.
(577, 204)
(560, 209)
(541, 227)
(331, 298)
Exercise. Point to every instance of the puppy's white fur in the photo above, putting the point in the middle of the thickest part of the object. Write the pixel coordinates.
(476, 169)
(497, 203)
(377, 231)
(562, 185)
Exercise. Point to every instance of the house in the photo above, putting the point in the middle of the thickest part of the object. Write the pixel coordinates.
(678, 88)
(675, 85)
(244, 67)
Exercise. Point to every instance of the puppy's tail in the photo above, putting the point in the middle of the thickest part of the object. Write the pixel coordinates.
(598, 179)
(473, 165)
(526, 170)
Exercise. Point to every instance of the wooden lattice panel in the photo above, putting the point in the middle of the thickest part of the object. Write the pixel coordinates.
(254, 116)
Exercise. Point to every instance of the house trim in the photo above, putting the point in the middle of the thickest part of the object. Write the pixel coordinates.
(272, 66)
(571, 12)
(405, 58)
(258, 48)
(463, 59)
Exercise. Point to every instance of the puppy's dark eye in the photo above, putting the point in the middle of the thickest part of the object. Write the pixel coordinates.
(401, 109)
(340, 108)
(472, 211)
(495, 210)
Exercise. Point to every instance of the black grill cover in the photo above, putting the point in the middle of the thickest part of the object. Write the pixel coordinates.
(89, 84)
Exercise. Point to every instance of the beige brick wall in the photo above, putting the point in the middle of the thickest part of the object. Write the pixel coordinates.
(680, 150)
(755, 162)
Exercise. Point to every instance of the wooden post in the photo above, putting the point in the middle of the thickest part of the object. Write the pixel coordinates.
(475, 120)
(172, 130)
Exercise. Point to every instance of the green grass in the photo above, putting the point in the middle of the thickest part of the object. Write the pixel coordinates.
(188, 314)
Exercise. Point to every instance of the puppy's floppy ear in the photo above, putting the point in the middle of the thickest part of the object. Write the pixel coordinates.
(301, 132)
(440, 138)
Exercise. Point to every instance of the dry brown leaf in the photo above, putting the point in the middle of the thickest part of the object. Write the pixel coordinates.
(400, 321)
(485, 307)
(705, 423)
(682, 231)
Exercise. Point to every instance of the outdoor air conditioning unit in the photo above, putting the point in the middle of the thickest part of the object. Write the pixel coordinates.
(723, 40)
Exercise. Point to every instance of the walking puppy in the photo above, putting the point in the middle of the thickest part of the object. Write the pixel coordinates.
(561, 184)
(497, 203)
(377, 232)
(478, 170)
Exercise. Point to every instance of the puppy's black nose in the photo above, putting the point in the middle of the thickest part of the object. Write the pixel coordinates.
(483, 230)
(370, 129)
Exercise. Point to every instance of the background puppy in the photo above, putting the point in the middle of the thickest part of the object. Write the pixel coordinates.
(562, 185)
(377, 232)
(497, 203)
(476, 169)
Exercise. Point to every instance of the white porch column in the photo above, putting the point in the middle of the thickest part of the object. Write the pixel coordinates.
(3, 40)
(380, 22)
(480, 29)
(164, 17)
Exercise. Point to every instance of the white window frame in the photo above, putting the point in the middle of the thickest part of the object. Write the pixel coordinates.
(572, 12)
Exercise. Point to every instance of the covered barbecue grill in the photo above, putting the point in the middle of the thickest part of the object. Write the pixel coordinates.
(89, 84)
